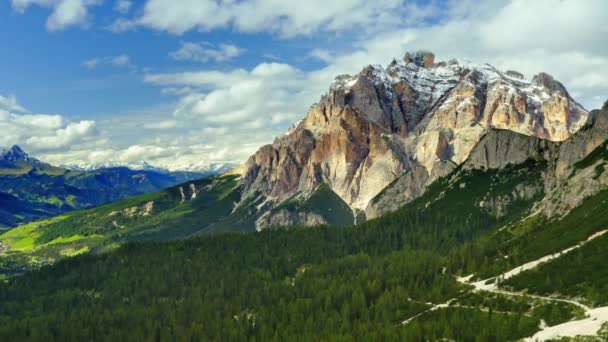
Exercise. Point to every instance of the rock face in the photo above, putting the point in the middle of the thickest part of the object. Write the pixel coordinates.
(285, 217)
(408, 123)
(500, 205)
(579, 167)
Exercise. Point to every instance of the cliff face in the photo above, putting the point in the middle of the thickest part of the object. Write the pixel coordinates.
(408, 123)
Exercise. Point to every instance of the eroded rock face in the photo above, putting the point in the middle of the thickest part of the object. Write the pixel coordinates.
(568, 183)
(144, 210)
(405, 121)
(500, 205)
(283, 218)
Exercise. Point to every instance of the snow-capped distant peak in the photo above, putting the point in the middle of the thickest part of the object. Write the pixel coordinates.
(146, 166)
(15, 154)
(141, 165)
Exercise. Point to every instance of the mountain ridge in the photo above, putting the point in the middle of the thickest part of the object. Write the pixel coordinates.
(372, 127)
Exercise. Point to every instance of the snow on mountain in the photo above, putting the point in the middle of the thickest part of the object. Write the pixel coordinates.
(15, 154)
(414, 117)
(215, 168)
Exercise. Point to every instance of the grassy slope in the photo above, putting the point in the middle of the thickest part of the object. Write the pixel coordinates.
(107, 226)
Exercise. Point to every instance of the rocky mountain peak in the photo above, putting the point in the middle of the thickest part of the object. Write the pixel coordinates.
(15, 154)
(547, 81)
(423, 59)
(414, 116)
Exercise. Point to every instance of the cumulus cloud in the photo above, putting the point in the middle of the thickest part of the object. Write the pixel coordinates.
(283, 17)
(62, 137)
(41, 132)
(205, 51)
(263, 95)
(64, 13)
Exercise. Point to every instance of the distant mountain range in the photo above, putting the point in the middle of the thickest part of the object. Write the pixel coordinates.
(31, 189)
(212, 168)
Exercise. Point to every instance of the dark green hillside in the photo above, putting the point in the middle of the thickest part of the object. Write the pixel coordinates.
(309, 283)
(582, 273)
(535, 237)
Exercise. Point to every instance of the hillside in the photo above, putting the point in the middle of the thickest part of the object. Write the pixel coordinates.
(31, 189)
(391, 278)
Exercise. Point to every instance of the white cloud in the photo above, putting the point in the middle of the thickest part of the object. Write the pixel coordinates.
(247, 98)
(62, 137)
(121, 25)
(64, 13)
(287, 18)
(41, 132)
(322, 55)
(203, 52)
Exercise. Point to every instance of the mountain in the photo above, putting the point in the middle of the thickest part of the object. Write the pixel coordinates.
(354, 158)
(480, 207)
(411, 123)
(474, 258)
(32, 189)
(133, 166)
(15, 154)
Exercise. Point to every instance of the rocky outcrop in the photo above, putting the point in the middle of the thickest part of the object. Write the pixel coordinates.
(424, 59)
(144, 210)
(580, 166)
(499, 148)
(406, 188)
(408, 124)
(499, 206)
(284, 217)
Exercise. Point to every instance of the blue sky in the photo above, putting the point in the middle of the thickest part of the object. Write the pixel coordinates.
(188, 83)
(45, 68)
